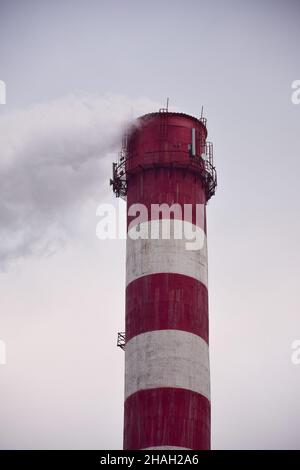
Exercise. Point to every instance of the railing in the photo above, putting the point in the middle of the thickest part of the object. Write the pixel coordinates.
(121, 340)
(203, 120)
(203, 163)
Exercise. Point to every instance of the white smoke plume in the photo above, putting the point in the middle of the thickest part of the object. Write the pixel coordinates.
(53, 157)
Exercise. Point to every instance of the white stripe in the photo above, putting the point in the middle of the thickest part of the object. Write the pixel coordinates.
(151, 256)
(167, 358)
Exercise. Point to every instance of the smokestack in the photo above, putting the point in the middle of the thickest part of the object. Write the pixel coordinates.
(165, 159)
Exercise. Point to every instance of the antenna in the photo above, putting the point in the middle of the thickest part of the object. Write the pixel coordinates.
(165, 110)
(202, 112)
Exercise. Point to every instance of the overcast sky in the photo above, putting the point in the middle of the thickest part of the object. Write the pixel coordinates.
(75, 71)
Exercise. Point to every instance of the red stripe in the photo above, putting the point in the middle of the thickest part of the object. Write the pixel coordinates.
(164, 139)
(167, 417)
(168, 186)
(166, 301)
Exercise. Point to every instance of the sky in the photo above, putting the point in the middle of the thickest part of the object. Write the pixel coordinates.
(75, 73)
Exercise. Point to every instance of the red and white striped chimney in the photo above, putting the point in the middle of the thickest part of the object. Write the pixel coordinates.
(166, 160)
